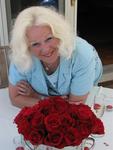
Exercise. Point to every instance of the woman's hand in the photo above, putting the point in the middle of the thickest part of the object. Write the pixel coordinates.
(73, 99)
(24, 88)
(22, 94)
(76, 102)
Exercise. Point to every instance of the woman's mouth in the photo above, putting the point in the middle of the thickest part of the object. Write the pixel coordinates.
(49, 54)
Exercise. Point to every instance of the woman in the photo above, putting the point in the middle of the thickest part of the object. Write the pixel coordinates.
(47, 60)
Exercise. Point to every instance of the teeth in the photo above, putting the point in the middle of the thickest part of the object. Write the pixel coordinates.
(48, 55)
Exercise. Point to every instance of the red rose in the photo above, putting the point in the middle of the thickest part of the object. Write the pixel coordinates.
(57, 123)
(36, 137)
(37, 120)
(53, 122)
(24, 128)
(66, 121)
(29, 112)
(60, 104)
(23, 123)
(84, 129)
(54, 139)
(84, 112)
(45, 107)
(97, 127)
(72, 137)
(73, 112)
(20, 115)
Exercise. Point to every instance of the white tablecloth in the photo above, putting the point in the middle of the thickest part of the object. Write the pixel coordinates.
(8, 129)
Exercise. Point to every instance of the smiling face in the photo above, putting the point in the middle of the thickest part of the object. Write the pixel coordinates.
(43, 44)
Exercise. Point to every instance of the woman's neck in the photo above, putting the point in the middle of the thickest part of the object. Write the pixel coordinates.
(50, 68)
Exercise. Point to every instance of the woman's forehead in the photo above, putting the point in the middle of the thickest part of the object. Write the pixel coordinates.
(41, 28)
(39, 31)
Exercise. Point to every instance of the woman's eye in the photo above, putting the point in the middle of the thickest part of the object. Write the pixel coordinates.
(35, 44)
(48, 39)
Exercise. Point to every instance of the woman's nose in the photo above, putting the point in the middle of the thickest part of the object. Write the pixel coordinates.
(44, 47)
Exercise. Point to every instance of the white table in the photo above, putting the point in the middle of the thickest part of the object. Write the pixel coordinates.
(8, 129)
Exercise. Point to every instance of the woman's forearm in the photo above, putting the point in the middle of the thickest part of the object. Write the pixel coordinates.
(22, 101)
(78, 99)
(20, 98)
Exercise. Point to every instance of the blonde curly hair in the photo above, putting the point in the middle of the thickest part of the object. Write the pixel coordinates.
(38, 15)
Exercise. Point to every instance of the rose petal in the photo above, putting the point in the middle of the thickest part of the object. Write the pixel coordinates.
(20, 148)
(109, 107)
(97, 106)
(86, 148)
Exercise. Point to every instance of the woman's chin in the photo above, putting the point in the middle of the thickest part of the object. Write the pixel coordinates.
(49, 60)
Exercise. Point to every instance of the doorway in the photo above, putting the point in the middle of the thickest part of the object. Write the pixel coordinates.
(94, 23)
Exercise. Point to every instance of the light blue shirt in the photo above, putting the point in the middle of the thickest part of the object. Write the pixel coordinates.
(76, 75)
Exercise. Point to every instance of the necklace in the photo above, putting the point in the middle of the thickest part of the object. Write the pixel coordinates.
(47, 68)
(50, 68)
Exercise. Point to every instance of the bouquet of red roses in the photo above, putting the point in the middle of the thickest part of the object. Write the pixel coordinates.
(55, 122)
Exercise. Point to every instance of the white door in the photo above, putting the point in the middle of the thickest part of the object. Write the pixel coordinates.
(71, 13)
(3, 24)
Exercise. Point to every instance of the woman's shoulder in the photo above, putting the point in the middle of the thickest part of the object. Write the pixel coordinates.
(83, 49)
(35, 64)
(83, 46)
(83, 52)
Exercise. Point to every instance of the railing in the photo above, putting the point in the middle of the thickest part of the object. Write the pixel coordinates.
(4, 65)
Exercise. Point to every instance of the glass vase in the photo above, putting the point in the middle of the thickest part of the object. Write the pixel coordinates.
(29, 146)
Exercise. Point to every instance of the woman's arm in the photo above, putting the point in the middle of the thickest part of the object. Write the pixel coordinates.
(77, 99)
(22, 95)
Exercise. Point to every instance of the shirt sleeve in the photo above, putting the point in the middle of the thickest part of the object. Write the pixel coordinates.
(15, 75)
(83, 72)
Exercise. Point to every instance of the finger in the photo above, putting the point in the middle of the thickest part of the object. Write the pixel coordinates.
(26, 84)
(64, 96)
(23, 93)
(22, 89)
(75, 102)
(21, 86)
(22, 82)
